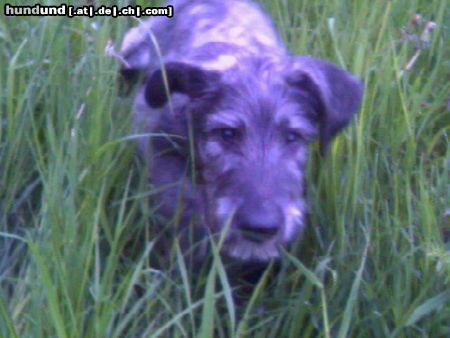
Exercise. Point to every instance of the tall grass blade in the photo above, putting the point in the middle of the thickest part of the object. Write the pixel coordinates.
(352, 298)
(427, 307)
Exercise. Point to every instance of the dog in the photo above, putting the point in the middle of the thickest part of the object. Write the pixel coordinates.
(225, 116)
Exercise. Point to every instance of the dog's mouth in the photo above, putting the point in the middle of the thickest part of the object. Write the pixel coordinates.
(249, 271)
(260, 236)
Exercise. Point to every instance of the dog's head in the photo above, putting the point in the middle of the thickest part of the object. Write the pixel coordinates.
(253, 125)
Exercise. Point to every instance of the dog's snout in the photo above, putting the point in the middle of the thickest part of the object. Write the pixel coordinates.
(259, 224)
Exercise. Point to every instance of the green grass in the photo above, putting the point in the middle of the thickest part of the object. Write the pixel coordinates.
(75, 223)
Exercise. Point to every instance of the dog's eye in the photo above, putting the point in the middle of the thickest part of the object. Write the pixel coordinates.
(228, 134)
(293, 136)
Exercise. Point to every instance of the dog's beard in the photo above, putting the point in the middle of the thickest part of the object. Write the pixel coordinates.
(244, 250)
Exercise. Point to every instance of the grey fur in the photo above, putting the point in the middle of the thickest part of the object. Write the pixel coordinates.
(253, 109)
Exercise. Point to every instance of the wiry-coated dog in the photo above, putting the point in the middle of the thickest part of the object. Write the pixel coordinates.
(229, 115)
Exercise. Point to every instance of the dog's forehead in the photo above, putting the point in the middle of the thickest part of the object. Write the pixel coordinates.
(258, 94)
(258, 111)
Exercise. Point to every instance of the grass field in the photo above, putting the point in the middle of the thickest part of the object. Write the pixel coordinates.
(75, 218)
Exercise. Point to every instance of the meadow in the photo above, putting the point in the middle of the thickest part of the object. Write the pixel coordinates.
(76, 222)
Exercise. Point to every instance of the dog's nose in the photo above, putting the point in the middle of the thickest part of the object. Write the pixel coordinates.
(259, 224)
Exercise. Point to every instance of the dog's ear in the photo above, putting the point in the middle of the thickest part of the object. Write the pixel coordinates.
(338, 94)
(180, 78)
